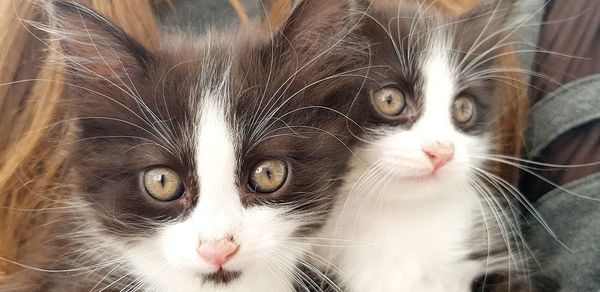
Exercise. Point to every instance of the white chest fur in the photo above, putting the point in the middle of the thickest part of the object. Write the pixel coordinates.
(385, 242)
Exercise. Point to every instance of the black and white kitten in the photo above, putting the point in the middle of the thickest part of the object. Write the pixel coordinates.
(418, 211)
(204, 166)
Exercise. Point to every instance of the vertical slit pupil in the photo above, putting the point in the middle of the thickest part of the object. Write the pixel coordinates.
(162, 180)
(269, 173)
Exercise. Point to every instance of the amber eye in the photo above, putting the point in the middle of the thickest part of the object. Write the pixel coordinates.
(268, 176)
(163, 183)
(463, 109)
(389, 101)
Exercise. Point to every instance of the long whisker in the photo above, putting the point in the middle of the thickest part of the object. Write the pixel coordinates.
(555, 185)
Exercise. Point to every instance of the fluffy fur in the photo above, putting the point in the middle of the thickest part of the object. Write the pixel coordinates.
(401, 224)
(209, 107)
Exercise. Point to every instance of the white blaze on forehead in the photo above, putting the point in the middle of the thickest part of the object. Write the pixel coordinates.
(440, 84)
(219, 207)
(216, 151)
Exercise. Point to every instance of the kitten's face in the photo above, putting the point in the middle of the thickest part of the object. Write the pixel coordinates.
(431, 113)
(204, 165)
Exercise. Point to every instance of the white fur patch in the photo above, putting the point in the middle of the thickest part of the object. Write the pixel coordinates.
(170, 262)
(409, 230)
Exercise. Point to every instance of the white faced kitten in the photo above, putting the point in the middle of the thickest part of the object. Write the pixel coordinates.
(415, 213)
(205, 165)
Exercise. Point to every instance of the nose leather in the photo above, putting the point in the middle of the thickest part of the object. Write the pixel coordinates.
(439, 153)
(218, 252)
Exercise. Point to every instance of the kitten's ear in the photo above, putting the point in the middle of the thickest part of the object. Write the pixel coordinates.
(487, 24)
(92, 47)
(314, 22)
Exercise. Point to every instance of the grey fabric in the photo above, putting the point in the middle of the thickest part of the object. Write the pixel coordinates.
(574, 255)
(576, 223)
(571, 28)
(572, 105)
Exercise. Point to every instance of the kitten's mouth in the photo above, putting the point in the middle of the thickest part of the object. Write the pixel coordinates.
(421, 178)
(222, 277)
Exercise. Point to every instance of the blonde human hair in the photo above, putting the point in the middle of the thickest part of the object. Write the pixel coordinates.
(34, 135)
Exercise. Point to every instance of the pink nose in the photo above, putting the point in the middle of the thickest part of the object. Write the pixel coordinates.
(218, 252)
(439, 153)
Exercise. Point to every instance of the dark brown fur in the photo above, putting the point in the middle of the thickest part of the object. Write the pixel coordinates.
(310, 60)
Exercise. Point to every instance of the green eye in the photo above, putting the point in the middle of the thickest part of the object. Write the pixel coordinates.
(268, 176)
(389, 101)
(463, 109)
(163, 184)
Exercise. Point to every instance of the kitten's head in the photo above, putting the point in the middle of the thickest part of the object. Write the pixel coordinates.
(204, 164)
(435, 105)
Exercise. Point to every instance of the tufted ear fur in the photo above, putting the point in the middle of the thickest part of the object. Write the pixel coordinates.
(92, 47)
(315, 51)
(483, 27)
(314, 24)
(104, 67)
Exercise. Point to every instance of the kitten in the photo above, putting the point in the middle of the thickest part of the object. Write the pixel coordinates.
(204, 166)
(418, 210)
